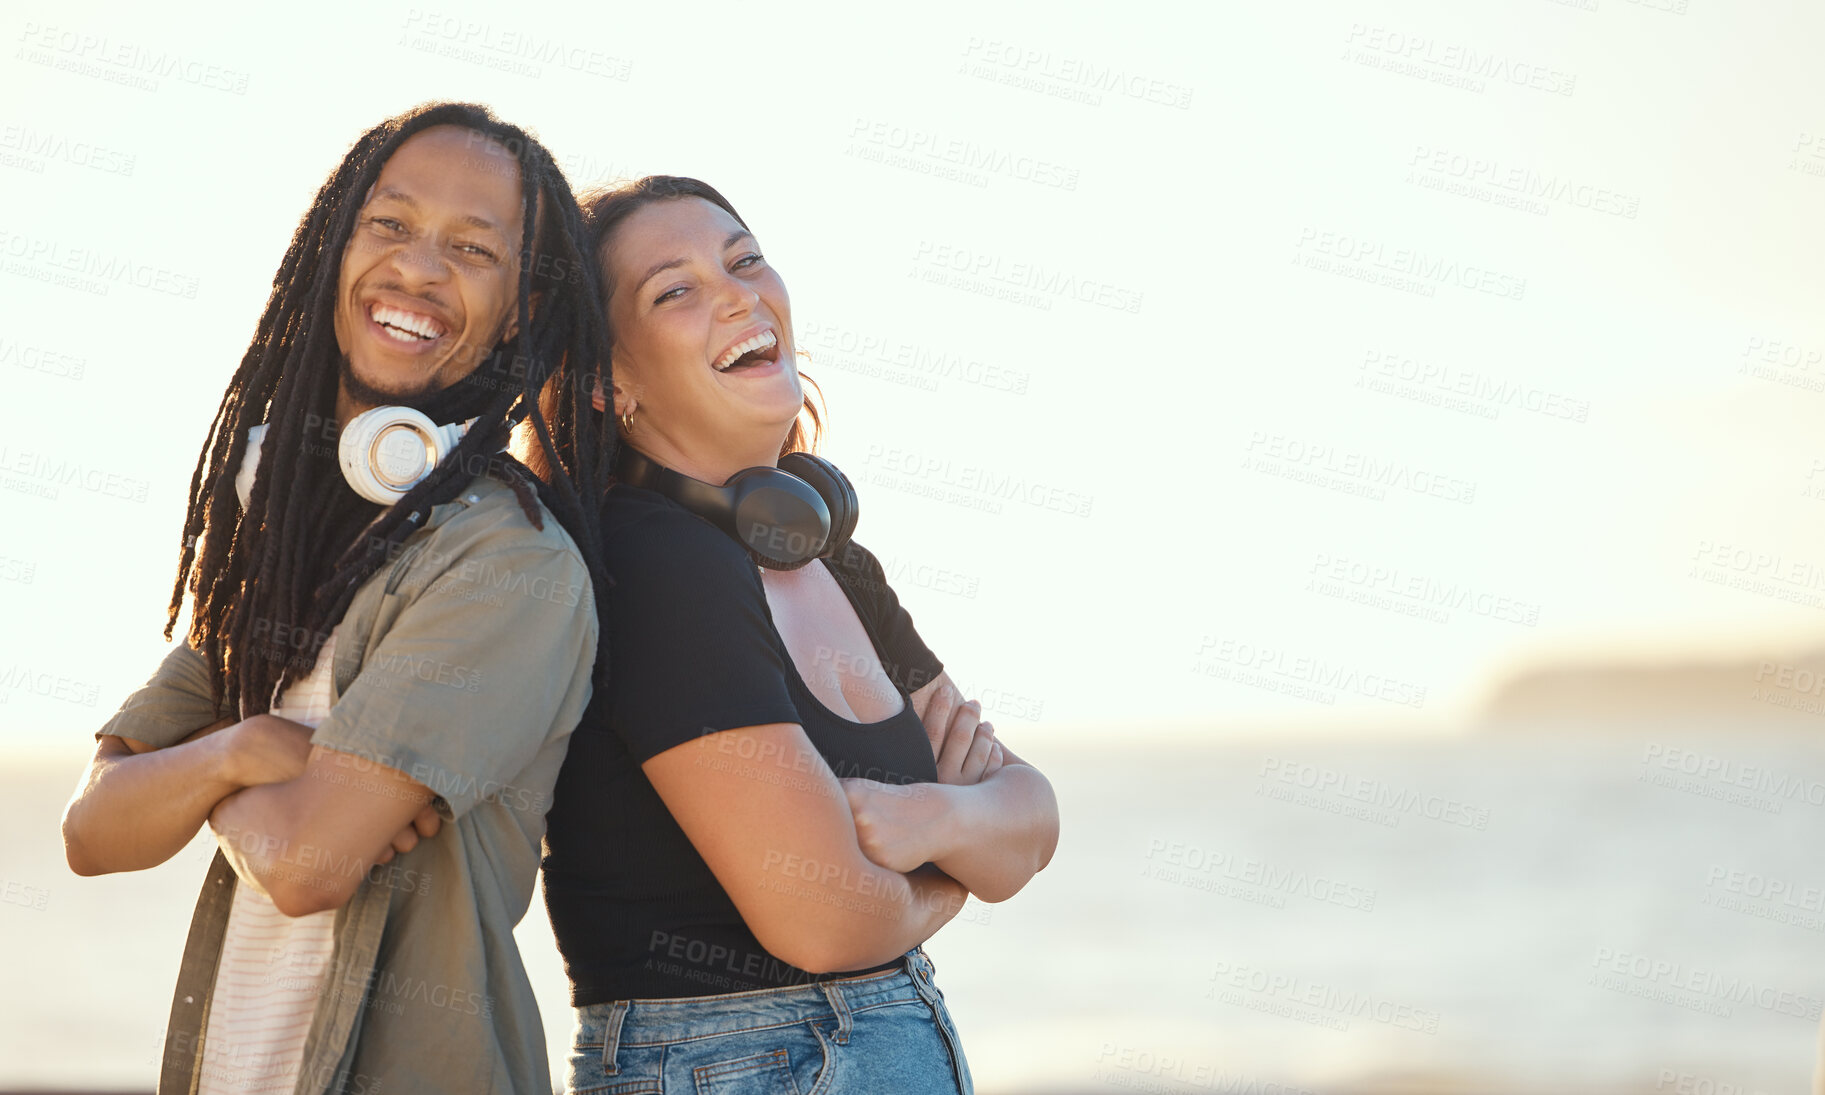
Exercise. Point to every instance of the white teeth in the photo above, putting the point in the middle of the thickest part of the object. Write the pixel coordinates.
(764, 340)
(409, 322)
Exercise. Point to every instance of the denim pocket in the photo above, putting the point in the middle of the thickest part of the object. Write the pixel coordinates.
(636, 1073)
(625, 1087)
(760, 1074)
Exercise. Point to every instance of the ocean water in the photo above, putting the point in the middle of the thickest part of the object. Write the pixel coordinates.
(1570, 909)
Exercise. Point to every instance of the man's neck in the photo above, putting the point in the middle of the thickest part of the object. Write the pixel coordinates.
(347, 407)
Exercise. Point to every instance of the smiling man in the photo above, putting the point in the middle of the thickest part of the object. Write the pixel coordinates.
(376, 690)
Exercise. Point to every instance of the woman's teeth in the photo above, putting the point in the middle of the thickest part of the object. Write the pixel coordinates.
(421, 328)
(763, 341)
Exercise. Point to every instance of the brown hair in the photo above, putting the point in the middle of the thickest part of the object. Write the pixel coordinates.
(603, 211)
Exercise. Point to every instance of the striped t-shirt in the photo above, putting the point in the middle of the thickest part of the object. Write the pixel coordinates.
(273, 967)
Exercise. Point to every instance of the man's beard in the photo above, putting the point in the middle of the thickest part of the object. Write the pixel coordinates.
(463, 399)
(368, 395)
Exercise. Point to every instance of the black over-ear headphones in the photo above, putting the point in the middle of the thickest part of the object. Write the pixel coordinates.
(804, 509)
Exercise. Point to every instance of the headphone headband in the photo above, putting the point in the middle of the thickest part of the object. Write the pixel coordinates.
(383, 452)
(783, 520)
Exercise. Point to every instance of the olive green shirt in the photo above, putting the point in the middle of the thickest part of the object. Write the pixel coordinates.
(464, 663)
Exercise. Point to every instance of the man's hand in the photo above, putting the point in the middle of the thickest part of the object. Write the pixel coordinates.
(425, 826)
(267, 749)
(338, 807)
(899, 827)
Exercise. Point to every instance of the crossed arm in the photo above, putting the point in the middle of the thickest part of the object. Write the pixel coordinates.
(301, 824)
(773, 824)
(991, 822)
(831, 875)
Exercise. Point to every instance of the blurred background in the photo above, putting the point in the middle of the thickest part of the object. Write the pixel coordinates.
(1365, 453)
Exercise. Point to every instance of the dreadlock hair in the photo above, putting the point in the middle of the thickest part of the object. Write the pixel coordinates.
(269, 582)
(605, 209)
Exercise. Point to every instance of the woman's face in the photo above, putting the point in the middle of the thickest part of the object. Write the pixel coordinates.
(703, 338)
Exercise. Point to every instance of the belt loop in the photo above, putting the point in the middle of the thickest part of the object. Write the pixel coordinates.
(611, 1036)
(839, 1003)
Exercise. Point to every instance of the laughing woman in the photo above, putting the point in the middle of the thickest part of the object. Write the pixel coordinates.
(779, 794)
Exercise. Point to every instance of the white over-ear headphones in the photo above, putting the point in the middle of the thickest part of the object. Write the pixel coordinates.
(384, 452)
(387, 451)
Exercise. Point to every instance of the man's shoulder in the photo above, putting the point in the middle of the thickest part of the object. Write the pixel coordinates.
(487, 518)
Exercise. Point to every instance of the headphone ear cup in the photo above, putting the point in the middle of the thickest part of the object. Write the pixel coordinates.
(386, 451)
(836, 490)
(782, 520)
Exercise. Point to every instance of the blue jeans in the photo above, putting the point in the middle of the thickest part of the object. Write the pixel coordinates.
(876, 1034)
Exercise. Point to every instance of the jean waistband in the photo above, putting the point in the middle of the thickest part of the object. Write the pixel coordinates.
(664, 1021)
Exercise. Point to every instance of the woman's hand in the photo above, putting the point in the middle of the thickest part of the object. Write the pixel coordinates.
(900, 827)
(967, 753)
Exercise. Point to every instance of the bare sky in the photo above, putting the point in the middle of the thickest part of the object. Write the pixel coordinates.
(1262, 360)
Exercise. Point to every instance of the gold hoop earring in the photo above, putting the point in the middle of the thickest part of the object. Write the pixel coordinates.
(627, 423)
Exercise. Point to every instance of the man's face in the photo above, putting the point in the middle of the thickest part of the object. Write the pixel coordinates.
(429, 278)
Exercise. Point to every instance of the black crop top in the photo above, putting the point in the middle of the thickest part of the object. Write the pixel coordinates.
(692, 650)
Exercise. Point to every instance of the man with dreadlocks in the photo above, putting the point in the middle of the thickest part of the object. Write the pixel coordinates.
(373, 700)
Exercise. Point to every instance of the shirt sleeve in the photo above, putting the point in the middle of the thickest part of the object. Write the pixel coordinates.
(490, 659)
(909, 663)
(176, 702)
(691, 644)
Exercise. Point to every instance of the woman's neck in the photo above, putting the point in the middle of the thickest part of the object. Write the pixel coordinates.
(715, 467)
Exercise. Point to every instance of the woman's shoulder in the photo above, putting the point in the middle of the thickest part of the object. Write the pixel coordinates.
(645, 533)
